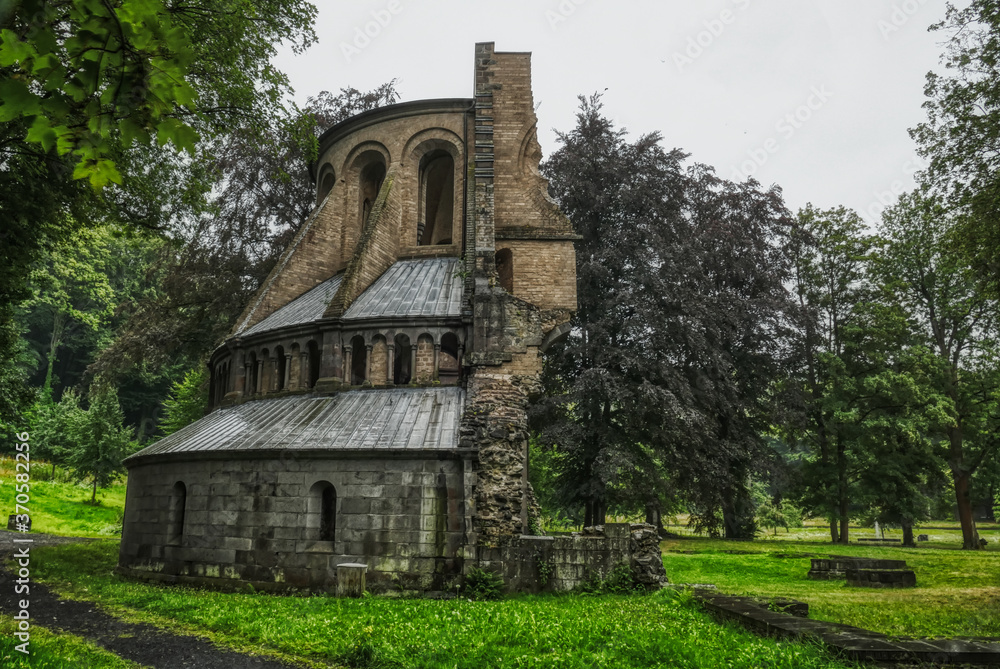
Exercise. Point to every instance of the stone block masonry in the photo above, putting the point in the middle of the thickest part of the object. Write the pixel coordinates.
(558, 564)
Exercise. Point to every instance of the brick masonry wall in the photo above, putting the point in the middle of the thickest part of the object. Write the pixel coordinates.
(379, 363)
(249, 520)
(425, 360)
(328, 240)
(544, 272)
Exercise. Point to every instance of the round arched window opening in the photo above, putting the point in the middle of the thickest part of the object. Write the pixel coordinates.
(437, 199)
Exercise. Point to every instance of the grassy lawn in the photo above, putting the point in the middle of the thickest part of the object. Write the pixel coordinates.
(662, 630)
(61, 506)
(957, 593)
(50, 650)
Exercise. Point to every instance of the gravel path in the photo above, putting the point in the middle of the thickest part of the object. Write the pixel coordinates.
(139, 642)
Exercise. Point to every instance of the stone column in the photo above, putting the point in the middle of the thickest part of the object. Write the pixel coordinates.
(413, 360)
(260, 377)
(368, 363)
(241, 382)
(437, 358)
(348, 363)
(390, 361)
(288, 371)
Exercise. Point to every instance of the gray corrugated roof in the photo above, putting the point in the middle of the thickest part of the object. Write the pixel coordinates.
(378, 420)
(430, 287)
(305, 308)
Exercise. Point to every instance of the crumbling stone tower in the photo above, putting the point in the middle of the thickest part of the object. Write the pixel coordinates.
(369, 405)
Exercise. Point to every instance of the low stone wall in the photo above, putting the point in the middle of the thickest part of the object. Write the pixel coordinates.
(881, 578)
(536, 564)
(836, 566)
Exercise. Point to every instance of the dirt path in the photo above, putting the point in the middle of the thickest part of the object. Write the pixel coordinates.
(139, 642)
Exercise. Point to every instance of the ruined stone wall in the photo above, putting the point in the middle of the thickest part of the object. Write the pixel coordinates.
(562, 563)
(496, 423)
(251, 520)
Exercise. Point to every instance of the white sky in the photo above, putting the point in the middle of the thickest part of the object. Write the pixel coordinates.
(860, 64)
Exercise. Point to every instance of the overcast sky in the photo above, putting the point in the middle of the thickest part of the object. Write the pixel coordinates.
(813, 95)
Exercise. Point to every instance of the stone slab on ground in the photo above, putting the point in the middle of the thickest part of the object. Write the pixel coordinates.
(853, 642)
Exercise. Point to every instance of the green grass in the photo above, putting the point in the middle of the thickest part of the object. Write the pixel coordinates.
(663, 630)
(61, 506)
(957, 593)
(51, 650)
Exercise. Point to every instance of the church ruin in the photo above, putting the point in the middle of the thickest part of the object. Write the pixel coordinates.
(370, 404)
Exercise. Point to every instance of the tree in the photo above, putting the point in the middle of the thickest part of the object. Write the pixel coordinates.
(71, 290)
(93, 78)
(187, 402)
(205, 276)
(961, 137)
(53, 426)
(100, 442)
(892, 415)
(663, 384)
(957, 323)
(830, 253)
(614, 192)
(105, 91)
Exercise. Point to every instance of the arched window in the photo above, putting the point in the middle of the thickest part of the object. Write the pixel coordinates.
(322, 518)
(402, 371)
(326, 181)
(359, 361)
(449, 366)
(369, 184)
(175, 519)
(505, 269)
(313, 363)
(437, 199)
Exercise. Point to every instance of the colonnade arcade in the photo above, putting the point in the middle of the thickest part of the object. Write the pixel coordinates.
(376, 357)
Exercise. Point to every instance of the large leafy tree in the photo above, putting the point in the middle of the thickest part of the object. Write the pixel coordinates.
(664, 382)
(207, 273)
(829, 248)
(961, 137)
(106, 93)
(957, 323)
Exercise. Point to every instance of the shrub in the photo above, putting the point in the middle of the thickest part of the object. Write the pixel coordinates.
(619, 581)
(483, 585)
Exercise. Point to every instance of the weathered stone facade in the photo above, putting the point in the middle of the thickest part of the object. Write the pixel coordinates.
(370, 404)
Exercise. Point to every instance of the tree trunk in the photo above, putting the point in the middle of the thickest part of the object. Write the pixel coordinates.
(588, 513)
(843, 499)
(58, 325)
(970, 536)
(834, 534)
(53, 470)
(93, 495)
(908, 535)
